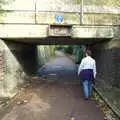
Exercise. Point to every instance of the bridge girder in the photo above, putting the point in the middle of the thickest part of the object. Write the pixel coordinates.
(43, 34)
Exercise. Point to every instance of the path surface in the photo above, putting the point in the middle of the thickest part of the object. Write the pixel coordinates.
(54, 100)
(61, 70)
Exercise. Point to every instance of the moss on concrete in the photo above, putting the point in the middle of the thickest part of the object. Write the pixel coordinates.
(50, 18)
(102, 19)
(78, 1)
(100, 2)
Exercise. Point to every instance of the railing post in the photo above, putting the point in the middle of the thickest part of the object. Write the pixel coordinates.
(36, 11)
(82, 12)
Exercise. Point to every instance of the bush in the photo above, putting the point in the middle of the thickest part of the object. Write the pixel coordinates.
(68, 49)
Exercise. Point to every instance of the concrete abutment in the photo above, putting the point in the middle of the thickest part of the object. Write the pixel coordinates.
(18, 60)
(12, 70)
(107, 57)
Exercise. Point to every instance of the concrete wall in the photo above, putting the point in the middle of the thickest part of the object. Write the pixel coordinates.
(107, 57)
(44, 54)
(18, 60)
(13, 72)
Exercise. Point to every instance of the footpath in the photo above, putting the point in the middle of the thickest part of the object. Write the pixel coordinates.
(57, 99)
(110, 95)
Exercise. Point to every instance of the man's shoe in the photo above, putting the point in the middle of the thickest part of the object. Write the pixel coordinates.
(85, 98)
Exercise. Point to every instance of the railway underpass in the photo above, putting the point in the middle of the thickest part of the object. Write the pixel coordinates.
(26, 35)
(57, 94)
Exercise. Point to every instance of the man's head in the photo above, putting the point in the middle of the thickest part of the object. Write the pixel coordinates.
(88, 52)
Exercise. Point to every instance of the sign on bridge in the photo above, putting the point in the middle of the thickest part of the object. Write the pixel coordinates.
(60, 30)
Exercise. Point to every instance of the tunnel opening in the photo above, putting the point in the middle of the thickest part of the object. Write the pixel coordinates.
(28, 50)
(23, 62)
(31, 57)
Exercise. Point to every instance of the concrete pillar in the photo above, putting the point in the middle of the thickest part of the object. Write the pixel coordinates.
(11, 71)
(16, 61)
(107, 57)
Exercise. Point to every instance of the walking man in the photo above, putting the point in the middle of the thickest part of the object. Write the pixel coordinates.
(87, 72)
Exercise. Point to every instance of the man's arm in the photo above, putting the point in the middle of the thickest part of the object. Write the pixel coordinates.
(80, 67)
(94, 70)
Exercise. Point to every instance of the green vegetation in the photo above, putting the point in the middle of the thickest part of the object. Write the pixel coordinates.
(2, 11)
(78, 1)
(68, 49)
(3, 2)
(75, 50)
(102, 19)
(79, 53)
(101, 2)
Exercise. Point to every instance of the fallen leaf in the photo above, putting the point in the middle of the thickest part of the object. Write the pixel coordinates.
(25, 101)
(72, 118)
(19, 102)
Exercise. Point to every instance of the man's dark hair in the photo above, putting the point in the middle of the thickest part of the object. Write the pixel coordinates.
(89, 52)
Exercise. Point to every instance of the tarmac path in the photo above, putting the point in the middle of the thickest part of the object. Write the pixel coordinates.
(58, 98)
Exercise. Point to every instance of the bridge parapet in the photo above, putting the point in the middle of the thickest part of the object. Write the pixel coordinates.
(41, 13)
(45, 12)
(23, 20)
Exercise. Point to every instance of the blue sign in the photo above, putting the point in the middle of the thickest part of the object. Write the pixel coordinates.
(60, 19)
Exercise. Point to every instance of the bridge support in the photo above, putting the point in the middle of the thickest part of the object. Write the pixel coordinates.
(107, 55)
(37, 33)
(11, 72)
(18, 60)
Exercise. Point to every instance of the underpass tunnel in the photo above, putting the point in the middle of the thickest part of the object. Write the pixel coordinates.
(30, 56)
(19, 60)
(25, 55)
(23, 59)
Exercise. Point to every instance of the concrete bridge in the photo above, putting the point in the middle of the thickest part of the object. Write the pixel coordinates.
(26, 24)
(38, 21)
